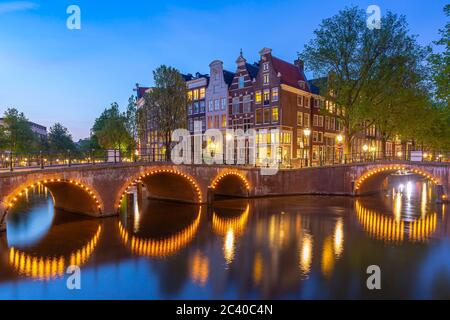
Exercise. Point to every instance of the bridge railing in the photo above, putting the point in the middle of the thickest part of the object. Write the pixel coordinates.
(10, 161)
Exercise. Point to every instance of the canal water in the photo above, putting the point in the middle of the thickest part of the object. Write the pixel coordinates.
(304, 247)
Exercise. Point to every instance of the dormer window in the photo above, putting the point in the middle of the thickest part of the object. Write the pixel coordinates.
(301, 84)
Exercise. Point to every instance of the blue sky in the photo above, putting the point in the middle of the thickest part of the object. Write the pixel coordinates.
(58, 75)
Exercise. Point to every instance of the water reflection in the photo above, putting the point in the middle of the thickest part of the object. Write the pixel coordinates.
(31, 218)
(289, 247)
(155, 228)
(48, 267)
(230, 226)
(404, 221)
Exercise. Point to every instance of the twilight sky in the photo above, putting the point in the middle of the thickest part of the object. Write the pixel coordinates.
(58, 75)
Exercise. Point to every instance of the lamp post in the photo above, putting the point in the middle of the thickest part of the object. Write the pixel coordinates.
(340, 140)
(373, 149)
(365, 149)
(307, 134)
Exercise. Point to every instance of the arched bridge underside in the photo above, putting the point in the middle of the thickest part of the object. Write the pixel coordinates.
(98, 190)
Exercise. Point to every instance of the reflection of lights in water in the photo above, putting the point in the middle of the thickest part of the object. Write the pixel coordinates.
(137, 215)
(306, 253)
(199, 268)
(258, 268)
(409, 189)
(398, 207)
(383, 227)
(46, 268)
(230, 228)
(221, 225)
(424, 200)
(228, 246)
(327, 257)
(338, 238)
(160, 247)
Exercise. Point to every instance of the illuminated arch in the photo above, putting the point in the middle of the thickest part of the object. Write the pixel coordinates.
(225, 174)
(45, 268)
(386, 170)
(22, 191)
(163, 247)
(386, 228)
(230, 183)
(139, 179)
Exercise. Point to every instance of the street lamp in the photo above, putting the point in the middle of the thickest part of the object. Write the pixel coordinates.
(307, 133)
(365, 148)
(340, 138)
(212, 147)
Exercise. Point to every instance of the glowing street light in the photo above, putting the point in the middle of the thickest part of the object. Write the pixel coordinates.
(340, 138)
(307, 132)
(365, 148)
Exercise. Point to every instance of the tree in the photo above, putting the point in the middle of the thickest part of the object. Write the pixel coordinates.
(359, 64)
(59, 139)
(110, 130)
(131, 123)
(16, 134)
(166, 104)
(440, 63)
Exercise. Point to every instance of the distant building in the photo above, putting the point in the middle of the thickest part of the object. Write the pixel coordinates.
(39, 130)
(196, 86)
(217, 96)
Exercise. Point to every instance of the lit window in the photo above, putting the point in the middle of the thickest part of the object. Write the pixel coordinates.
(202, 93)
(266, 78)
(224, 121)
(266, 97)
(241, 82)
(189, 94)
(306, 120)
(258, 97)
(195, 92)
(299, 118)
(275, 94)
(275, 114)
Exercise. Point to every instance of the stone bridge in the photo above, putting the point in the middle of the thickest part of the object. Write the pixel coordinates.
(98, 190)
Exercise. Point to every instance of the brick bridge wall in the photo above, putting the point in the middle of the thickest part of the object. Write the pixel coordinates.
(97, 190)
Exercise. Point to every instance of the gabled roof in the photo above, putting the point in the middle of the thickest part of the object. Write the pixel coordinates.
(317, 84)
(290, 73)
(140, 91)
(252, 69)
(228, 77)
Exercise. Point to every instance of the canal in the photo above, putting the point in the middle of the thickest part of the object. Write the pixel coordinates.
(303, 247)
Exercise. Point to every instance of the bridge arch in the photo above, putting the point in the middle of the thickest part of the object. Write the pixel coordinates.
(230, 183)
(372, 179)
(166, 184)
(69, 195)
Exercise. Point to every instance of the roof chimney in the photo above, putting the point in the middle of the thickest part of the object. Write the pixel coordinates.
(300, 64)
